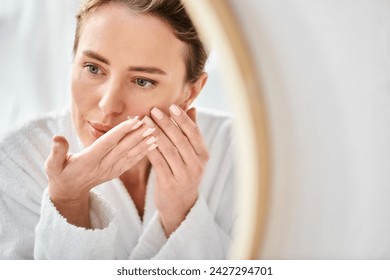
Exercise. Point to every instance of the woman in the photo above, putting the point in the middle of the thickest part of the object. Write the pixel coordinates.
(130, 172)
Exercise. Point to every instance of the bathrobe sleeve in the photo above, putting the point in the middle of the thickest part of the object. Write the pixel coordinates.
(30, 225)
(76, 242)
(19, 210)
(198, 237)
(207, 231)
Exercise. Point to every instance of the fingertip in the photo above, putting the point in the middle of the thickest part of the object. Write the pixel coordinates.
(137, 125)
(192, 114)
(148, 121)
(175, 110)
(59, 139)
(152, 147)
(59, 143)
(56, 138)
(192, 109)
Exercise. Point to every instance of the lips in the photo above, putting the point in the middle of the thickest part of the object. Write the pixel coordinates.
(98, 129)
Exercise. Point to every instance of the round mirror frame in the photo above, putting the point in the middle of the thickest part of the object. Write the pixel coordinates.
(217, 23)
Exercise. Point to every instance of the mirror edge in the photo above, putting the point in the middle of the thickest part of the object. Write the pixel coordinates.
(219, 25)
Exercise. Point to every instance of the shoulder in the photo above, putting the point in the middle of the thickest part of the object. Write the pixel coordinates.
(23, 152)
(218, 182)
(219, 137)
(207, 116)
(215, 124)
(32, 139)
(39, 124)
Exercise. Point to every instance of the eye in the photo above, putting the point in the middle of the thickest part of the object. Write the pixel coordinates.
(144, 83)
(93, 69)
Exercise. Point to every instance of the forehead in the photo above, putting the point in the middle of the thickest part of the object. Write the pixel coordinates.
(120, 34)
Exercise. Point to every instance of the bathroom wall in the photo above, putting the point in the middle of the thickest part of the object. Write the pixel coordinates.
(325, 66)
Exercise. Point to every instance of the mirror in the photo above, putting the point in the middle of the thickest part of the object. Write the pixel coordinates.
(49, 90)
(219, 25)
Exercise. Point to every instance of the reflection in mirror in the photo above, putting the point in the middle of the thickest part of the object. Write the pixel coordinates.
(103, 148)
(221, 24)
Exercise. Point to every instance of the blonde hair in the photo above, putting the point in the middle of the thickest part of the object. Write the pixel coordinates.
(170, 11)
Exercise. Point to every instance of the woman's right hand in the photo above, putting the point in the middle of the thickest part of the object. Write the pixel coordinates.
(72, 176)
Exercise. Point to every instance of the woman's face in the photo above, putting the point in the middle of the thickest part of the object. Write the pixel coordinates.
(125, 64)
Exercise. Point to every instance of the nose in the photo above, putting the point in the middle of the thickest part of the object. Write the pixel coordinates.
(112, 102)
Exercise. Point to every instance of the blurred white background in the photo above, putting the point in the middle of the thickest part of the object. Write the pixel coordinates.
(325, 67)
(36, 40)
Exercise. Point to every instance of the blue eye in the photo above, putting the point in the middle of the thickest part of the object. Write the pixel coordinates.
(93, 69)
(144, 83)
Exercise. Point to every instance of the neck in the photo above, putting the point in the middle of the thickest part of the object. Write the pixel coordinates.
(135, 181)
(137, 176)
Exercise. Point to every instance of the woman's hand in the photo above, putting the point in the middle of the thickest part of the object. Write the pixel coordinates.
(179, 163)
(72, 176)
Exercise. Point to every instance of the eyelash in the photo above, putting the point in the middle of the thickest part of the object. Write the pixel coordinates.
(89, 66)
(152, 83)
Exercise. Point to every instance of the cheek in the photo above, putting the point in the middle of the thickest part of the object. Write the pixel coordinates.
(142, 103)
(164, 100)
(82, 99)
(174, 95)
(82, 104)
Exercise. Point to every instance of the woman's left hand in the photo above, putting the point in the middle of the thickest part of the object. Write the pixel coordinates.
(179, 163)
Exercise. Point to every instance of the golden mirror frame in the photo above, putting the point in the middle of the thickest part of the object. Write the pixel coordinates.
(217, 23)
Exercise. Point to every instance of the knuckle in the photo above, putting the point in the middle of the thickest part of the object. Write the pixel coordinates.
(183, 143)
(197, 138)
(47, 164)
(206, 156)
(128, 157)
(173, 151)
(196, 130)
(160, 162)
(198, 169)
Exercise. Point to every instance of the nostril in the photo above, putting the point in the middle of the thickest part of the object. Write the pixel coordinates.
(112, 103)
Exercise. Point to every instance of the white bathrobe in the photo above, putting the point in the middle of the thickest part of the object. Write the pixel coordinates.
(31, 227)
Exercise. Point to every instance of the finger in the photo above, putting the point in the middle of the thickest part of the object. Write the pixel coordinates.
(159, 163)
(172, 144)
(110, 139)
(192, 114)
(129, 142)
(190, 129)
(56, 161)
(133, 156)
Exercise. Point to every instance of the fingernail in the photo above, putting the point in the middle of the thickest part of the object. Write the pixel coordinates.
(175, 110)
(148, 132)
(152, 147)
(132, 117)
(151, 140)
(148, 122)
(137, 125)
(157, 113)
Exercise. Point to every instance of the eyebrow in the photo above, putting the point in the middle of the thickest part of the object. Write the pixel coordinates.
(96, 56)
(151, 70)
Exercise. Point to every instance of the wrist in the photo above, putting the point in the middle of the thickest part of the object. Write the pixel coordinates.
(67, 194)
(172, 217)
(170, 222)
(74, 209)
